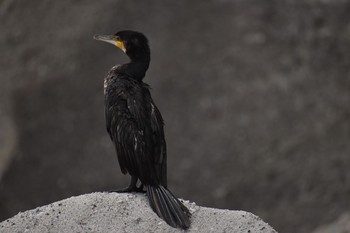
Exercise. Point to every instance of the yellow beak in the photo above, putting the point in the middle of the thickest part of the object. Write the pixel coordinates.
(120, 45)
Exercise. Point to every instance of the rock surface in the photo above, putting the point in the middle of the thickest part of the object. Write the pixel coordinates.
(112, 212)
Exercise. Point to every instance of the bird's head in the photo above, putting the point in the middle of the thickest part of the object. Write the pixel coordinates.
(134, 44)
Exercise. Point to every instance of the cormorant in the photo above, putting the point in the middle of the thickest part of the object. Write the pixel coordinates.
(135, 126)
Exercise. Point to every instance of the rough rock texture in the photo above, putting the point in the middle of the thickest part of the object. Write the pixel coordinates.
(112, 212)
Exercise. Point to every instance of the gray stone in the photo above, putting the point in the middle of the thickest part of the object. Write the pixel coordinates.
(113, 212)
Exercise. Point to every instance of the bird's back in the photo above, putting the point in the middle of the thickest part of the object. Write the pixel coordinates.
(136, 127)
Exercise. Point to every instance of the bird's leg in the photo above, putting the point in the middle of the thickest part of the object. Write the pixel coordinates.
(140, 188)
(131, 188)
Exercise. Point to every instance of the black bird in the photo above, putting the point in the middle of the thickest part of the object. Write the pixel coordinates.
(135, 126)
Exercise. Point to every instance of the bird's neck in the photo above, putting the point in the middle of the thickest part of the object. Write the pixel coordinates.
(136, 69)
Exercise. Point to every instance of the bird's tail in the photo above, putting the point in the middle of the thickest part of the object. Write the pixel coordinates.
(168, 207)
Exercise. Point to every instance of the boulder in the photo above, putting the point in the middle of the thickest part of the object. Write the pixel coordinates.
(127, 212)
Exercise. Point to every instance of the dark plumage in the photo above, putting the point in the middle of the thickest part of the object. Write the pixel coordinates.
(135, 126)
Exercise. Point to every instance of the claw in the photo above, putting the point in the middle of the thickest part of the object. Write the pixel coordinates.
(131, 188)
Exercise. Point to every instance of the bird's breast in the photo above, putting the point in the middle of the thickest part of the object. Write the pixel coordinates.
(105, 85)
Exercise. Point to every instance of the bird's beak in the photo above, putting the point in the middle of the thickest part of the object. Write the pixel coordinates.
(112, 40)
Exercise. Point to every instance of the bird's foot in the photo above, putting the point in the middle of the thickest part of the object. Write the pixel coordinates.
(129, 189)
(123, 190)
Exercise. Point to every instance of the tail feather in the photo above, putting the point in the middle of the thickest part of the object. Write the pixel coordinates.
(175, 204)
(164, 207)
(168, 207)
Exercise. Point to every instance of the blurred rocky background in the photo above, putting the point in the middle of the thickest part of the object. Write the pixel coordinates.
(255, 96)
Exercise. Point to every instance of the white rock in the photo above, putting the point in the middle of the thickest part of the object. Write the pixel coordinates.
(114, 212)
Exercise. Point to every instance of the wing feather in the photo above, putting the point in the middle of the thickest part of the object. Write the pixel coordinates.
(135, 126)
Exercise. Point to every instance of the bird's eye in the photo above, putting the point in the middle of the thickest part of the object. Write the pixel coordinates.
(117, 38)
